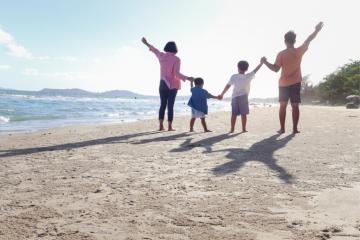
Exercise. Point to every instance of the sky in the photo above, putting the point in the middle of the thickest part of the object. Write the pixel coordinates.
(95, 44)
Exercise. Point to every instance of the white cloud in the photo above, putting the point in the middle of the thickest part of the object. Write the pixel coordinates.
(16, 50)
(96, 60)
(31, 72)
(5, 66)
(5, 37)
(13, 48)
(61, 75)
(67, 59)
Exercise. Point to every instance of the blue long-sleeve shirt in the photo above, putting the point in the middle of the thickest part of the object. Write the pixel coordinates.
(198, 99)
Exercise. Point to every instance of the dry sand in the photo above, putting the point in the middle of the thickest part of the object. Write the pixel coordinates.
(126, 181)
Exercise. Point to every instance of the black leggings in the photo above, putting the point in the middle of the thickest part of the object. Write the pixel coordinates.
(167, 98)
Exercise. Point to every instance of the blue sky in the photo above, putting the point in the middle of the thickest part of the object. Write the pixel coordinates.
(95, 45)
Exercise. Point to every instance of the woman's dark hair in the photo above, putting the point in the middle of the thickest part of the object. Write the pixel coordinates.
(290, 37)
(198, 81)
(171, 47)
(243, 65)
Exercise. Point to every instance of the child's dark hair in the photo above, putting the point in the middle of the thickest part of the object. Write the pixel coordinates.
(243, 65)
(171, 47)
(290, 37)
(198, 81)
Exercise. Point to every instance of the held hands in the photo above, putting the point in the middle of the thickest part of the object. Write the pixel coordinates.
(263, 60)
(191, 79)
(220, 97)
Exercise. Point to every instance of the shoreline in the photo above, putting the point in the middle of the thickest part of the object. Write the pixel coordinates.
(27, 117)
(80, 122)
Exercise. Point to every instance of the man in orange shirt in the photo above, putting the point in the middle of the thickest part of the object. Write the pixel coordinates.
(289, 60)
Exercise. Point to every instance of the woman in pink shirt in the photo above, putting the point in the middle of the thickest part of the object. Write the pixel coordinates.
(170, 77)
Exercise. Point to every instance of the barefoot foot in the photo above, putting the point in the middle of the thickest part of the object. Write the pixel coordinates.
(281, 131)
(295, 131)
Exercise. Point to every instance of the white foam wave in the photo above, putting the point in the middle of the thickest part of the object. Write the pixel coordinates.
(6, 110)
(4, 119)
(77, 99)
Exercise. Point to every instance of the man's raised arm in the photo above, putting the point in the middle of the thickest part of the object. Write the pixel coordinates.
(311, 37)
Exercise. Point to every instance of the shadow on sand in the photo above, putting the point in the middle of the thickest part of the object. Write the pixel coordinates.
(68, 146)
(160, 139)
(262, 151)
(206, 143)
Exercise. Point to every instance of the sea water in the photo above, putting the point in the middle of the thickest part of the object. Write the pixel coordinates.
(24, 113)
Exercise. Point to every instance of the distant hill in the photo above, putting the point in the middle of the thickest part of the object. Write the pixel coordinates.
(121, 93)
(75, 92)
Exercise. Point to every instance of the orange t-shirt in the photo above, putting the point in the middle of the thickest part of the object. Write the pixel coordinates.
(290, 60)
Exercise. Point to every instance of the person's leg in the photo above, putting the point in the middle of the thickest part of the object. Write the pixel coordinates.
(244, 110)
(284, 95)
(295, 100)
(243, 122)
(203, 123)
(282, 116)
(161, 125)
(171, 102)
(164, 95)
(295, 116)
(233, 122)
(192, 122)
(235, 111)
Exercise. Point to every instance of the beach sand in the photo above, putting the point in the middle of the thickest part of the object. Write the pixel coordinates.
(126, 181)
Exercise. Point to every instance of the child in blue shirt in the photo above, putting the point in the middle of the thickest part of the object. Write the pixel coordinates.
(198, 103)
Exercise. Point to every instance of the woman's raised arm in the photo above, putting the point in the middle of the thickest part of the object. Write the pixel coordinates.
(151, 47)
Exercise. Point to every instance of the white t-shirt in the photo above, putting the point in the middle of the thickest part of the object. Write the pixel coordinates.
(241, 83)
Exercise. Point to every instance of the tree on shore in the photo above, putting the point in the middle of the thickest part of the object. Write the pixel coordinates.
(341, 83)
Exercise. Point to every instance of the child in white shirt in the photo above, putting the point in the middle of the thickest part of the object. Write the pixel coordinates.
(240, 102)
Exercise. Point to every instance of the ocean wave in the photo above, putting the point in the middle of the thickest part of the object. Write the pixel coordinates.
(76, 99)
(22, 118)
(4, 119)
(113, 115)
(22, 112)
(6, 110)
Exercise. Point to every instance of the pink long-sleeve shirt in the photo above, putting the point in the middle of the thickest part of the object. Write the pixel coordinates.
(169, 68)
